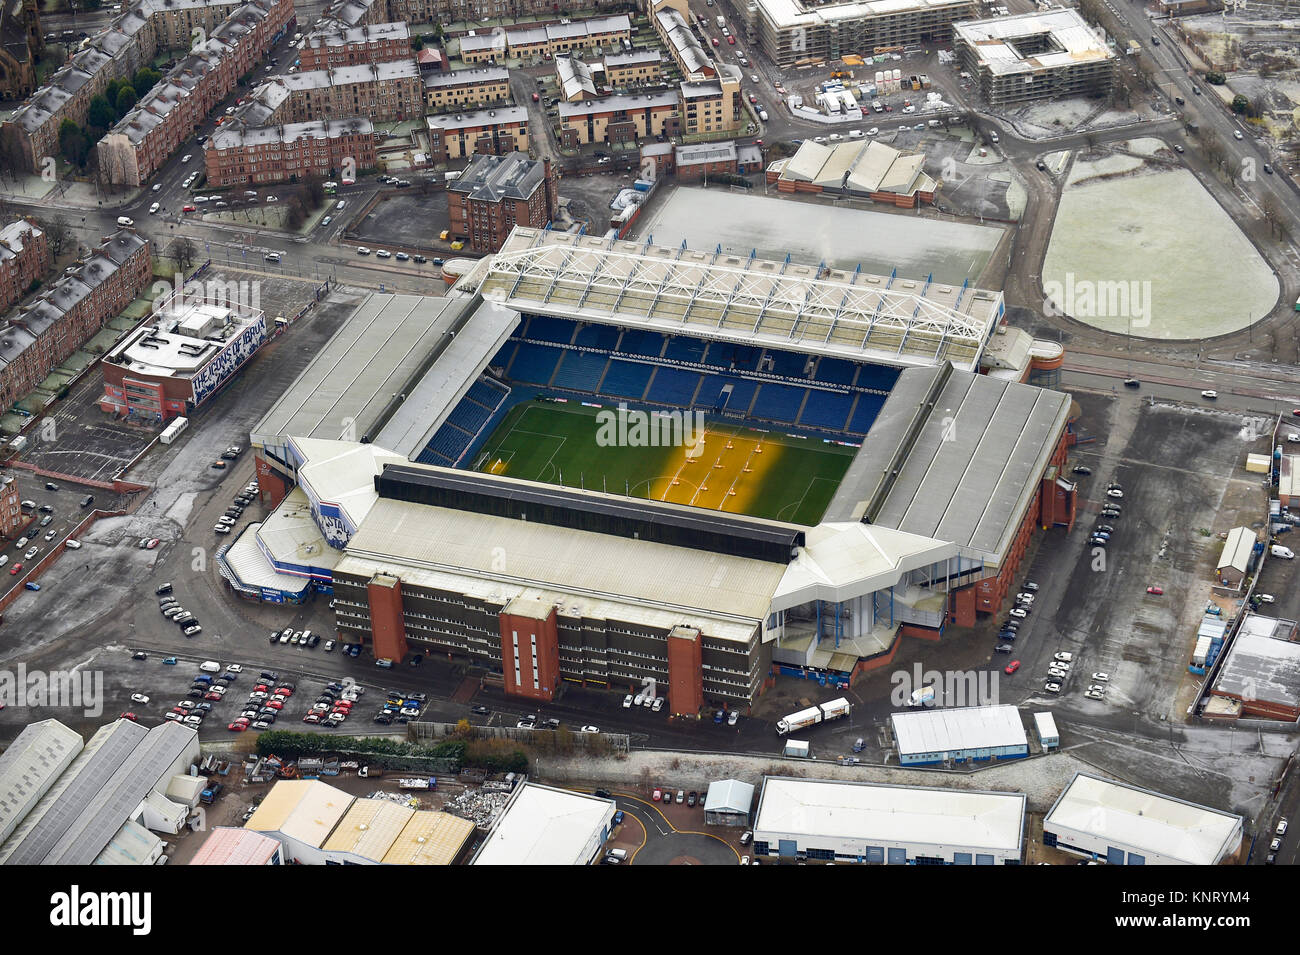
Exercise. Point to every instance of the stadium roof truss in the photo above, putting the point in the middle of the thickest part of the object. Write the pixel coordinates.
(756, 301)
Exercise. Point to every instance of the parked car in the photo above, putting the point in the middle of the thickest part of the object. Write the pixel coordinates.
(1081, 469)
(1158, 591)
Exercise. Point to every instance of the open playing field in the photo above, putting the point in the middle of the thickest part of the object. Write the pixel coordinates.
(720, 466)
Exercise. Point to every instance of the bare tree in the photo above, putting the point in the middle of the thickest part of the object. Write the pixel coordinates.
(1271, 210)
(183, 252)
(57, 235)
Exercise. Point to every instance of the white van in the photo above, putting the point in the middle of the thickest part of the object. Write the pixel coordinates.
(125, 221)
(210, 666)
(1284, 552)
(4, 559)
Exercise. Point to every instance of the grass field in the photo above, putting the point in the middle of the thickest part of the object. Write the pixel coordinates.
(726, 468)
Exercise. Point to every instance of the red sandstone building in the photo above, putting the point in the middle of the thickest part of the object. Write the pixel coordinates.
(292, 152)
(333, 45)
(24, 257)
(496, 193)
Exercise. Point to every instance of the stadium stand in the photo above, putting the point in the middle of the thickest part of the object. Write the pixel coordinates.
(671, 386)
(637, 342)
(580, 371)
(685, 349)
(835, 371)
(543, 328)
(876, 377)
(788, 364)
(778, 402)
(626, 379)
(825, 409)
(864, 413)
(597, 336)
(534, 364)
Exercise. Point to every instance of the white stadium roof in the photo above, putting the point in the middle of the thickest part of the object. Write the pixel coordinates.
(955, 730)
(757, 301)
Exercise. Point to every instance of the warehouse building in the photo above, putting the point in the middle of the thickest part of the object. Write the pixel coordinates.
(230, 846)
(834, 821)
(958, 735)
(1120, 824)
(1261, 674)
(865, 170)
(1033, 56)
(1234, 559)
(29, 766)
(102, 806)
(380, 832)
(541, 825)
(727, 803)
(300, 814)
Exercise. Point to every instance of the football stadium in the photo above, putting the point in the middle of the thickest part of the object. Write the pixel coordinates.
(599, 462)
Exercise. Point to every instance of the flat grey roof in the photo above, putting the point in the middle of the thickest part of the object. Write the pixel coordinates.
(1261, 667)
(954, 456)
(454, 369)
(379, 352)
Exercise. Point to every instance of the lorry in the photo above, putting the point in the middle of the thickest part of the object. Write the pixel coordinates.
(419, 782)
(821, 713)
(922, 697)
(209, 795)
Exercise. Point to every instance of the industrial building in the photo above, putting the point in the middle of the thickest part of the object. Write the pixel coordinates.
(104, 805)
(230, 846)
(866, 170)
(1236, 557)
(1048, 735)
(960, 734)
(1121, 824)
(379, 832)
(1033, 56)
(728, 802)
(541, 825)
(795, 32)
(181, 357)
(835, 821)
(1261, 674)
(300, 814)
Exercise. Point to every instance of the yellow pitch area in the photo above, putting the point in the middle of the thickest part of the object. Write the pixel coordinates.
(722, 471)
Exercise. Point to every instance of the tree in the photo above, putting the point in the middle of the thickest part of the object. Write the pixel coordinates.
(183, 252)
(57, 235)
(1240, 104)
(73, 143)
(126, 98)
(100, 114)
(1271, 211)
(144, 80)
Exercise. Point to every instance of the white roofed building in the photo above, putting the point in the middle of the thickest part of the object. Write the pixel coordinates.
(960, 734)
(834, 821)
(1124, 825)
(541, 825)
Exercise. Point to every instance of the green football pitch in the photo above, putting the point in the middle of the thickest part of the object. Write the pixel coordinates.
(714, 464)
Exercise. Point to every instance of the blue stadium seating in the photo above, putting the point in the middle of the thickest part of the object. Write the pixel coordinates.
(580, 371)
(778, 402)
(448, 442)
(597, 336)
(504, 354)
(673, 386)
(877, 377)
(684, 349)
(825, 409)
(626, 379)
(865, 413)
(835, 370)
(469, 415)
(788, 364)
(638, 342)
(547, 329)
(719, 354)
(710, 393)
(534, 363)
(487, 392)
(746, 357)
(430, 456)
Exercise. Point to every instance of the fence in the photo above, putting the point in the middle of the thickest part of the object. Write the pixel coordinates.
(597, 743)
